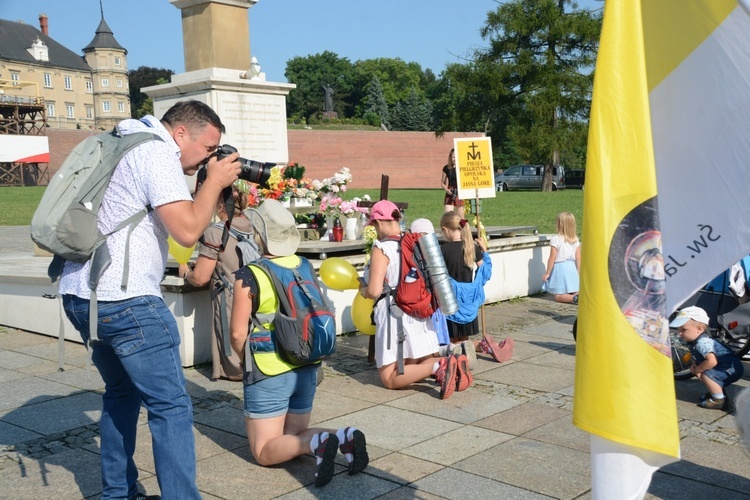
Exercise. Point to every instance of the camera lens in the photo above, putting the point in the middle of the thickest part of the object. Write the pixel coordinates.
(253, 171)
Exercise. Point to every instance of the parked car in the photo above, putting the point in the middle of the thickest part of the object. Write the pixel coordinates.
(574, 178)
(528, 177)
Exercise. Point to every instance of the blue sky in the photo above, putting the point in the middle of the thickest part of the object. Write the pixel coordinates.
(432, 33)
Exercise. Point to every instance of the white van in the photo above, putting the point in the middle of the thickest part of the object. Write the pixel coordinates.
(528, 177)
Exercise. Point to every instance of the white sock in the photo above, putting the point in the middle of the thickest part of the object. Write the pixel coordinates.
(717, 396)
(315, 442)
(435, 367)
(343, 436)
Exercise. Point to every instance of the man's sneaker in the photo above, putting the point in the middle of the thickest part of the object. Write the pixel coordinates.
(326, 453)
(143, 496)
(446, 376)
(356, 446)
(467, 347)
(713, 404)
(464, 378)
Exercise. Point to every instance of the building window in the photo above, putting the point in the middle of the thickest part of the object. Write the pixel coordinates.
(70, 110)
(90, 112)
(50, 109)
(105, 106)
(47, 80)
(68, 83)
(119, 83)
(118, 61)
(89, 87)
(105, 82)
(121, 107)
(15, 78)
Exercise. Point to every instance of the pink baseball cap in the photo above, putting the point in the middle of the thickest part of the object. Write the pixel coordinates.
(382, 210)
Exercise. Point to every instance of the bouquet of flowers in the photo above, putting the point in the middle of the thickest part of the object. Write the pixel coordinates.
(334, 184)
(350, 208)
(369, 235)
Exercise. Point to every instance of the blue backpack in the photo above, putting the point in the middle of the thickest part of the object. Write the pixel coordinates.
(304, 325)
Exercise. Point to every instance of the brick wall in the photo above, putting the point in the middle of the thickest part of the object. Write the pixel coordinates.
(410, 159)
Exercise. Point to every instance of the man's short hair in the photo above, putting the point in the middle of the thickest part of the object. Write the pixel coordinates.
(194, 115)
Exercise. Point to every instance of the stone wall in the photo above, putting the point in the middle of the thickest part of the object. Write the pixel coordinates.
(410, 159)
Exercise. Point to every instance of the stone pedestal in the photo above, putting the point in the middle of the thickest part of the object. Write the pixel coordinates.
(331, 115)
(253, 110)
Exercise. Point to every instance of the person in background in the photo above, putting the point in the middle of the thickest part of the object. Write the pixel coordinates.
(217, 267)
(449, 181)
(564, 263)
(420, 346)
(463, 258)
(278, 396)
(713, 363)
(138, 351)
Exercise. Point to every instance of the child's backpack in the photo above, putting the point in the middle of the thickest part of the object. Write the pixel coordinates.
(65, 222)
(304, 325)
(414, 293)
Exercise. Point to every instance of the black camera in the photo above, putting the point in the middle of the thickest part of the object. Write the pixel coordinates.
(252, 171)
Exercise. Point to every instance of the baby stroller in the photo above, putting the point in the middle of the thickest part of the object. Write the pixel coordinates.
(726, 300)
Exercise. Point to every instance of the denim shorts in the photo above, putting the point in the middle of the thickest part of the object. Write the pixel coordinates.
(290, 392)
(725, 376)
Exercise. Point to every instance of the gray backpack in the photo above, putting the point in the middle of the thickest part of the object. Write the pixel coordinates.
(65, 222)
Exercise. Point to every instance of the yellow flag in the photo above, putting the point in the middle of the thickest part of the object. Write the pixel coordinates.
(624, 390)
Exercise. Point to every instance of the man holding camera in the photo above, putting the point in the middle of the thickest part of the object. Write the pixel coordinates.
(137, 353)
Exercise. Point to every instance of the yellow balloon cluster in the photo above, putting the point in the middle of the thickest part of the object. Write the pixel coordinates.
(180, 253)
(339, 274)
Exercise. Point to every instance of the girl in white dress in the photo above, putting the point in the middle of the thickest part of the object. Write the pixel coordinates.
(420, 345)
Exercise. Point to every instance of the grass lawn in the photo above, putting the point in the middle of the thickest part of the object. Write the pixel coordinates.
(509, 208)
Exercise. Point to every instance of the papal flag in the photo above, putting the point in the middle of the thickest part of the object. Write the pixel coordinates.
(667, 208)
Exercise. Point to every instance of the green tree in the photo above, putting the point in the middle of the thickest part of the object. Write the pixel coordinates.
(396, 76)
(544, 52)
(413, 113)
(310, 74)
(144, 76)
(376, 102)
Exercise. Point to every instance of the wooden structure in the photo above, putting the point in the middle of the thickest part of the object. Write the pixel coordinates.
(22, 115)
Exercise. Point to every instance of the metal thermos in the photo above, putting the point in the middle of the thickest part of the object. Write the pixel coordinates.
(437, 273)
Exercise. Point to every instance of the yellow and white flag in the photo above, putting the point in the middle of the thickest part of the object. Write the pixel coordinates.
(666, 210)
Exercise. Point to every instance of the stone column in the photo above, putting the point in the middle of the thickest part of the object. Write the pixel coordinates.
(215, 33)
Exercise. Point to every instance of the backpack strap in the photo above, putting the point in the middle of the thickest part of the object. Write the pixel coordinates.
(100, 261)
(400, 335)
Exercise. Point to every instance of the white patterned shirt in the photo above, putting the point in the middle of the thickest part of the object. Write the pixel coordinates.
(150, 174)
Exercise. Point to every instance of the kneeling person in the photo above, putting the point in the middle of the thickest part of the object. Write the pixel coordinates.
(278, 395)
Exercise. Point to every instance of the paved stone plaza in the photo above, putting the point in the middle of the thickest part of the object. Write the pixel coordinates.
(509, 436)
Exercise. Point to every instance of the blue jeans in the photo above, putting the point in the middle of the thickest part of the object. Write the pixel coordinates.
(138, 358)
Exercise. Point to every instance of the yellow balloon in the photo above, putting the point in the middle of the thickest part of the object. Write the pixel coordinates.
(180, 253)
(339, 274)
(361, 311)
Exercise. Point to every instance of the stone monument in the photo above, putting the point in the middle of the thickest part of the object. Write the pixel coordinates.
(220, 71)
(328, 111)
